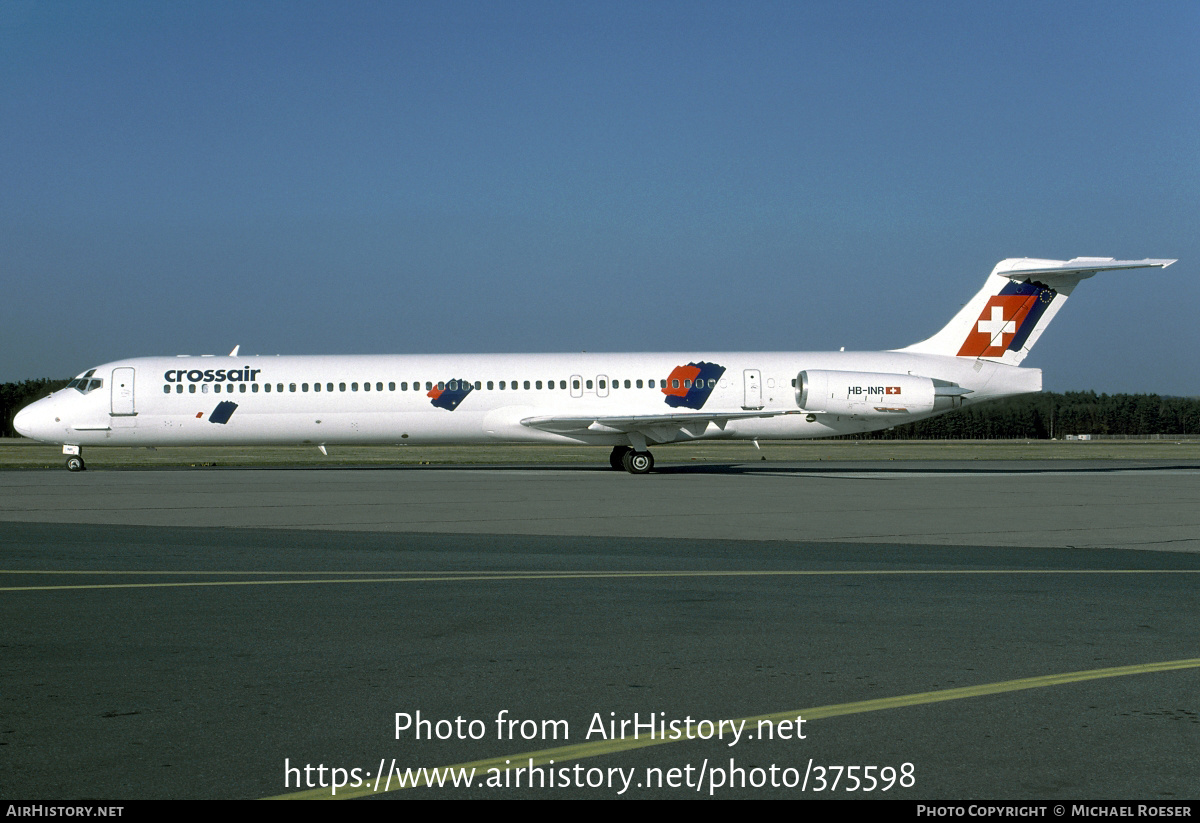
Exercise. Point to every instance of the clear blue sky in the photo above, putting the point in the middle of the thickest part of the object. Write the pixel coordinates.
(523, 176)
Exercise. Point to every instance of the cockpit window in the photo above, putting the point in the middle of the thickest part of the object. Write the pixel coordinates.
(85, 383)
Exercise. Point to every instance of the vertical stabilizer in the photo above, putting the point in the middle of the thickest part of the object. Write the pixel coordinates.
(1018, 300)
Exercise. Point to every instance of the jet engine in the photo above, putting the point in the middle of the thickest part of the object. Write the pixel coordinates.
(871, 394)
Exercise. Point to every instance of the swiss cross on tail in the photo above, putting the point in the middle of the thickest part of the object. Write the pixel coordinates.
(1007, 320)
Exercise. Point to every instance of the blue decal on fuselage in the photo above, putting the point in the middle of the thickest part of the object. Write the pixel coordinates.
(222, 412)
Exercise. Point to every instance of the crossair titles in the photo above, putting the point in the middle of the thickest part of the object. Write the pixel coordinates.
(242, 375)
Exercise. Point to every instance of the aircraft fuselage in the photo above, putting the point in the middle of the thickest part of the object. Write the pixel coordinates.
(427, 399)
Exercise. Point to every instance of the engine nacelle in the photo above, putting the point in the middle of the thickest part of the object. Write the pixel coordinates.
(870, 394)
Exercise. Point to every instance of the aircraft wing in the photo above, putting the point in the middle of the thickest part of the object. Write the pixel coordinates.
(639, 422)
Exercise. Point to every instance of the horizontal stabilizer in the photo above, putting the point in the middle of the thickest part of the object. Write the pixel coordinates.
(1083, 266)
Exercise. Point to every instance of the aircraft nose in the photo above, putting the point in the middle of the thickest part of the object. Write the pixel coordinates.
(23, 422)
(31, 421)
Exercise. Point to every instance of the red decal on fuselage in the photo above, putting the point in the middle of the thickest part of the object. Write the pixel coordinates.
(675, 383)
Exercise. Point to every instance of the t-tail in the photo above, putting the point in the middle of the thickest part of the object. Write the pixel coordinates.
(1020, 298)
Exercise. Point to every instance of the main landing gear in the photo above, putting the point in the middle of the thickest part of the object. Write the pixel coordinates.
(634, 462)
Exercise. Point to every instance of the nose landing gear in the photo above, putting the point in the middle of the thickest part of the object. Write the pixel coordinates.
(74, 458)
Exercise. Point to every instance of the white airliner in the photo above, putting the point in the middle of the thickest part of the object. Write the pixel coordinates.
(627, 401)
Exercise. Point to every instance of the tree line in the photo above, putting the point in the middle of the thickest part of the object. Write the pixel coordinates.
(1056, 415)
(1030, 417)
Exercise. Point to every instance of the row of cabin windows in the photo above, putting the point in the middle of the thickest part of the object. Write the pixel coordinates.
(278, 387)
(452, 385)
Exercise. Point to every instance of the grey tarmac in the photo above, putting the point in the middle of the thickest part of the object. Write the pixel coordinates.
(183, 633)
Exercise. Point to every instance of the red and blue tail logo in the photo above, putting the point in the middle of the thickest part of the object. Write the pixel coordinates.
(690, 385)
(1007, 320)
